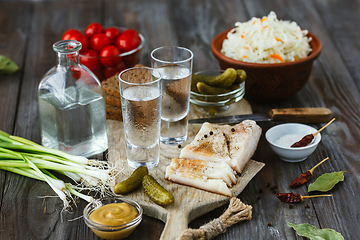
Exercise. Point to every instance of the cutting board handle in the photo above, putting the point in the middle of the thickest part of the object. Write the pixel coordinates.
(301, 115)
(176, 222)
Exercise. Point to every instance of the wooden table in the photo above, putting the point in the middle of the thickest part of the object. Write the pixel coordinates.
(29, 28)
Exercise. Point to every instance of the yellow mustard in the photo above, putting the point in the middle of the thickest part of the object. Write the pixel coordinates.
(114, 214)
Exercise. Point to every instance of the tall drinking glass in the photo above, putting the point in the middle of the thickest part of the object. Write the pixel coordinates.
(140, 90)
(175, 66)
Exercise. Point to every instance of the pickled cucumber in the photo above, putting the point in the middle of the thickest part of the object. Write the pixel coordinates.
(133, 182)
(228, 79)
(156, 192)
(224, 80)
(234, 87)
(240, 76)
(194, 80)
(209, 90)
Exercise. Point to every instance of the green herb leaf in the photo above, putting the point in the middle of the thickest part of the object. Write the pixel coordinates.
(313, 233)
(7, 66)
(326, 181)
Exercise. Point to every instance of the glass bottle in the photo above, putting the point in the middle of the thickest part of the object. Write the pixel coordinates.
(71, 105)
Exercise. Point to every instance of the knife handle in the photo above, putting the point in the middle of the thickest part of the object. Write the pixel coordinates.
(301, 115)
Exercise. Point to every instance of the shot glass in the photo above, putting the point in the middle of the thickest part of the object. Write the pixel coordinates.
(140, 90)
(175, 65)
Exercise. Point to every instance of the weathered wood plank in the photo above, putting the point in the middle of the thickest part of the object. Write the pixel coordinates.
(51, 20)
(26, 215)
(13, 43)
(340, 18)
(262, 214)
(326, 88)
(334, 83)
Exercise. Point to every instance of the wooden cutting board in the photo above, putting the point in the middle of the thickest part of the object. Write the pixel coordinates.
(190, 203)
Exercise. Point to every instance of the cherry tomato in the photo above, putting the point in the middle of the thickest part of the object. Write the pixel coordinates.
(99, 41)
(81, 38)
(110, 56)
(113, 33)
(131, 60)
(128, 40)
(93, 29)
(100, 74)
(75, 72)
(132, 32)
(68, 34)
(72, 57)
(91, 59)
(111, 71)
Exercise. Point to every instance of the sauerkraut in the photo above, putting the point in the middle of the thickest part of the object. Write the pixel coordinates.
(266, 40)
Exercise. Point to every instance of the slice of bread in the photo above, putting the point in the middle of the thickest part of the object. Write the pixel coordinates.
(112, 97)
(111, 85)
(113, 101)
(113, 112)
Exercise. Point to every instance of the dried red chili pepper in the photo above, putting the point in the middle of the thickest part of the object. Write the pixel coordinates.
(289, 197)
(303, 178)
(308, 138)
(295, 198)
(304, 141)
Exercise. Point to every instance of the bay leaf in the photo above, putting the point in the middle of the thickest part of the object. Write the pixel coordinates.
(7, 66)
(326, 181)
(313, 233)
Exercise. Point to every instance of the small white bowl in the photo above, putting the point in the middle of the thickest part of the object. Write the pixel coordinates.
(287, 153)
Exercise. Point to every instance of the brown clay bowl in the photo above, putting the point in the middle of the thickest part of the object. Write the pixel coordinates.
(270, 82)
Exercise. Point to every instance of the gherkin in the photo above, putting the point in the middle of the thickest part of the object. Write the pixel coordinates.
(226, 82)
(156, 192)
(209, 90)
(133, 182)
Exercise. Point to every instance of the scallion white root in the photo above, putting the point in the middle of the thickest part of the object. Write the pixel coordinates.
(24, 157)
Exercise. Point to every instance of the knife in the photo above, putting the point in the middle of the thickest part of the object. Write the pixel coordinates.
(299, 115)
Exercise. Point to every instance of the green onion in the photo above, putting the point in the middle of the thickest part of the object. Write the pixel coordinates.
(26, 158)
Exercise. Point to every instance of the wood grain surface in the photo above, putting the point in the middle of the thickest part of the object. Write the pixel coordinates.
(190, 202)
(29, 28)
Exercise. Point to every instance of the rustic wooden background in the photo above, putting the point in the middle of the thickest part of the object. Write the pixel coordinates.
(29, 28)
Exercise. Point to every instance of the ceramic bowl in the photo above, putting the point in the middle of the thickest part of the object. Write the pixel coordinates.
(270, 82)
(216, 104)
(282, 136)
(121, 62)
(112, 232)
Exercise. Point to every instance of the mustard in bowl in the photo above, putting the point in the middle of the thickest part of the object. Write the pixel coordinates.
(113, 217)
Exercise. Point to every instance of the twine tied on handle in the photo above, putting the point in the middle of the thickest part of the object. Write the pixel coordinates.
(236, 212)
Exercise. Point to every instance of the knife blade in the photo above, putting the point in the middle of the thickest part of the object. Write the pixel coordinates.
(298, 115)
